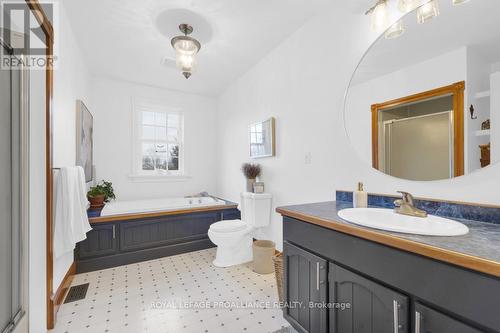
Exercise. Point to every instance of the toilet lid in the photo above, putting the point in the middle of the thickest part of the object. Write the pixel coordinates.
(228, 226)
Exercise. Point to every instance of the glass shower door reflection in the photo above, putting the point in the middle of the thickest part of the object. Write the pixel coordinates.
(419, 148)
(11, 228)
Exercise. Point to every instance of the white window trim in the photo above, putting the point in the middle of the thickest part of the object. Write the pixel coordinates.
(139, 175)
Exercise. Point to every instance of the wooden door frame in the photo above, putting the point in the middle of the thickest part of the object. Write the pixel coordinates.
(457, 91)
(46, 25)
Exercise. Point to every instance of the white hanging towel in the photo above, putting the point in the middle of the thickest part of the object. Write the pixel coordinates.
(71, 223)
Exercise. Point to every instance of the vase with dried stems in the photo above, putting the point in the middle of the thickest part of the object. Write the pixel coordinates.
(251, 172)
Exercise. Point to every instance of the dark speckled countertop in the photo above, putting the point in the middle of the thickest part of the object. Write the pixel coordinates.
(478, 250)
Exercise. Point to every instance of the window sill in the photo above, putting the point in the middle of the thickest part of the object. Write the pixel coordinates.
(138, 178)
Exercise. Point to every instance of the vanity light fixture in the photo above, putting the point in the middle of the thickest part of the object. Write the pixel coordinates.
(428, 11)
(379, 16)
(186, 49)
(406, 6)
(396, 30)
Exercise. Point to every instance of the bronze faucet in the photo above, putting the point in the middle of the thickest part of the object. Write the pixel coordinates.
(406, 206)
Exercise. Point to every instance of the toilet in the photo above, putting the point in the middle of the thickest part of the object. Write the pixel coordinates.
(234, 237)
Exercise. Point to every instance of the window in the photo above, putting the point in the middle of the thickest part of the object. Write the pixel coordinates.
(158, 140)
(257, 140)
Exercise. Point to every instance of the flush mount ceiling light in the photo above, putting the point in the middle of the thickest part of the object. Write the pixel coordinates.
(459, 2)
(186, 49)
(379, 16)
(428, 11)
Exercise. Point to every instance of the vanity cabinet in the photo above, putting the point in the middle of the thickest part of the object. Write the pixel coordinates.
(101, 241)
(305, 284)
(389, 290)
(373, 307)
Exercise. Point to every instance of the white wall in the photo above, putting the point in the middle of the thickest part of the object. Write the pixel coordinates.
(305, 90)
(437, 72)
(112, 109)
(70, 83)
(37, 200)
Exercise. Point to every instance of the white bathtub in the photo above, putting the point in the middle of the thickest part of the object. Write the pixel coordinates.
(158, 205)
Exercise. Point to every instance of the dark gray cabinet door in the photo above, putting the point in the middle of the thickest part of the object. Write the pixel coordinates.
(305, 282)
(101, 240)
(368, 306)
(428, 320)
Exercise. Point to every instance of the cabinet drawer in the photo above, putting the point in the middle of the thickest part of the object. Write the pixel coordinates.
(373, 307)
(428, 320)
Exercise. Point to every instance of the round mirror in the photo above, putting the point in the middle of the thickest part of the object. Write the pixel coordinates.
(424, 103)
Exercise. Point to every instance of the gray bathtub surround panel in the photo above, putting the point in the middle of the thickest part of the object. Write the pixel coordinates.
(482, 241)
(116, 243)
(440, 208)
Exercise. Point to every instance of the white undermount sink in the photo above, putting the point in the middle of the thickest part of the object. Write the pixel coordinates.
(387, 219)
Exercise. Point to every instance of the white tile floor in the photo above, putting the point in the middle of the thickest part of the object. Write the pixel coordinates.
(149, 297)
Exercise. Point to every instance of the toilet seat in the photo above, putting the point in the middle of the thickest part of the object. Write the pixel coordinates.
(227, 226)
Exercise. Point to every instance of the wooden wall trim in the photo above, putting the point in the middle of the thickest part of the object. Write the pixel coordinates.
(457, 91)
(63, 288)
(41, 17)
(48, 29)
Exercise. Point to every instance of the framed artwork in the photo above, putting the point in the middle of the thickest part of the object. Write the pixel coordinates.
(84, 139)
(262, 139)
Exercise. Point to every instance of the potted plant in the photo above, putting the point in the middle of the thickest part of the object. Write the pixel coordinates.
(101, 193)
(251, 172)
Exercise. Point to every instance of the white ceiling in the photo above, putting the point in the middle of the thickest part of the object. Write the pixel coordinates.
(127, 39)
(473, 24)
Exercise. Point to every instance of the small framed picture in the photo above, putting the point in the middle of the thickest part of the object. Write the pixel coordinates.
(262, 139)
(84, 140)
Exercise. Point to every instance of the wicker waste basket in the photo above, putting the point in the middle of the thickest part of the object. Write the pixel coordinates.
(278, 271)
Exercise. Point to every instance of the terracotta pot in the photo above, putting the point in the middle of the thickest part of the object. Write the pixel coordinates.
(97, 201)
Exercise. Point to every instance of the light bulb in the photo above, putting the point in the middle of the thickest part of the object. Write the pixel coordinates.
(186, 63)
(396, 30)
(185, 55)
(380, 18)
(428, 11)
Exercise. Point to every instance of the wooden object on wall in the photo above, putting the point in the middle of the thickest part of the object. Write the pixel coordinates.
(457, 91)
(61, 292)
(37, 10)
(485, 155)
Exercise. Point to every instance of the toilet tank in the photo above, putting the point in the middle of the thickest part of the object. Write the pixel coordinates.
(256, 209)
